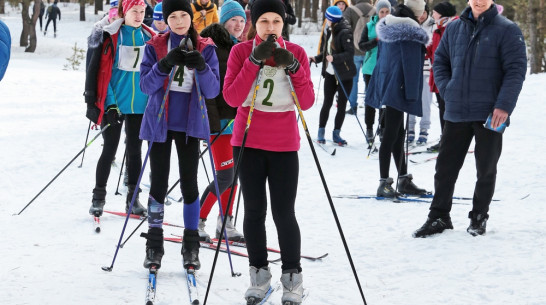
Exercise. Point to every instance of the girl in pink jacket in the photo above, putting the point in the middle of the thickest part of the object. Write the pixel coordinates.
(271, 148)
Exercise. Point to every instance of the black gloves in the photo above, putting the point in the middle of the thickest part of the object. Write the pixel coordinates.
(262, 51)
(92, 113)
(113, 115)
(194, 60)
(174, 57)
(285, 58)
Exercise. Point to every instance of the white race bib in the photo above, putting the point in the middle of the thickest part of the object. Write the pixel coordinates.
(182, 80)
(130, 58)
(274, 93)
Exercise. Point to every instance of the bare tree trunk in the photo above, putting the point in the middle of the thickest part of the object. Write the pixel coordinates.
(299, 11)
(32, 29)
(534, 57)
(314, 11)
(23, 40)
(2, 5)
(98, 6)
(82, 10)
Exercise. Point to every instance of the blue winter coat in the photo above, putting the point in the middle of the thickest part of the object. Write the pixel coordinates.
(5, 48)
(153, 82)
(480, 65)
(397, 79)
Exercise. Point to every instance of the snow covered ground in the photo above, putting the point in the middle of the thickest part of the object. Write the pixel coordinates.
(53, 256)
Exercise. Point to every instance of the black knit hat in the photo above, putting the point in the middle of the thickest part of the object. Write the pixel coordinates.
(170, 6)
(260, 7)
(445, 9)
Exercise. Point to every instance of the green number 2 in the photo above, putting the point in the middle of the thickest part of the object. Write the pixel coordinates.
(179, 76)
(137, 56)
(266, 83)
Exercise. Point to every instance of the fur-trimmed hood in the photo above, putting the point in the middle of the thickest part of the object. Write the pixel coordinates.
(218, 34)
(394, 29)
(103, 27)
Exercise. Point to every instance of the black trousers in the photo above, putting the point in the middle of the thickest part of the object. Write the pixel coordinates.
(280, 171)
(393, 143)
(441, 110)
(331, 85)
(454, 146)
(54, 24)
(133, 145)
(188, 161)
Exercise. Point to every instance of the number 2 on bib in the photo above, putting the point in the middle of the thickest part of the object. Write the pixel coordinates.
(268, 83)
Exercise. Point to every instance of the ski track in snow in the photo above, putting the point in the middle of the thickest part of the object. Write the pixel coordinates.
(54, 256)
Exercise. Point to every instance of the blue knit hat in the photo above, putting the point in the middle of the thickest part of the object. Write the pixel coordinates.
(158, 12)
(334, 14)
(230, 9)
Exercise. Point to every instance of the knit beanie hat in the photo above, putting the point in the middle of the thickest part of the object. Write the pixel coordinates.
(382, 4)
(128, 4)
(416, 6)
(445, 9)
(334, 14)
(230, 9)
(260, 7)
(158, 12)
(170, 6)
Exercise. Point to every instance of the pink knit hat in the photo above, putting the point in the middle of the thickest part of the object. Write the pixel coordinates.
(128, 4)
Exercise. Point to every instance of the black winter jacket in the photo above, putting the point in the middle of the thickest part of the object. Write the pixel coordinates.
(342, 50)
(217, 108)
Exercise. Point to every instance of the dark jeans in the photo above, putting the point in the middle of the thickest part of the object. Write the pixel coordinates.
(330, 87)
(454, 146)
(54, 24)
(393, 143)
(280, 171)
(133, 145)
(188, 161)
(441, 110)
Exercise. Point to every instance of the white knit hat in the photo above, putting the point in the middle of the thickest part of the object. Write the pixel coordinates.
(417, 6)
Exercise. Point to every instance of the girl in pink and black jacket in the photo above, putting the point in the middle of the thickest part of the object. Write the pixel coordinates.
(270, 152)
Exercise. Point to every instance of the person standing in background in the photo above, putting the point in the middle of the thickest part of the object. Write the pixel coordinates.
(361, 10)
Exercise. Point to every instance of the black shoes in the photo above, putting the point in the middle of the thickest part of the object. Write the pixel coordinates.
(154, 247)
(434, 226)
(478, 223)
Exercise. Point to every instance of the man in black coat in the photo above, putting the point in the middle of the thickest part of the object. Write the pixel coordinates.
(479, 68)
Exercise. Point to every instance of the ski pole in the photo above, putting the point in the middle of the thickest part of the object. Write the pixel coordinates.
(121, 171)
(237, 165)
(205, 120)
(296, 101)
(346, 95)
(86, 137)
(159, 116)
(62, 170)
(204, 151)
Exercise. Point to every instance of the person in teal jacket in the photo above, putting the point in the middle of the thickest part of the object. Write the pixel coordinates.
(114, 96)
(368, 44)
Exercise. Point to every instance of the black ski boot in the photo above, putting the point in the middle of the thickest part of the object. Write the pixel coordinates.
(138, 209)
(407, 187)
(385, 188)
(97, 206)
(154, 247)
(478, 222)
(190, 249)
(434, 226)
(98, 201)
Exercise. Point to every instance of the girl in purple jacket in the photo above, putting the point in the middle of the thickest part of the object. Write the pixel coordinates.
(183, 122)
